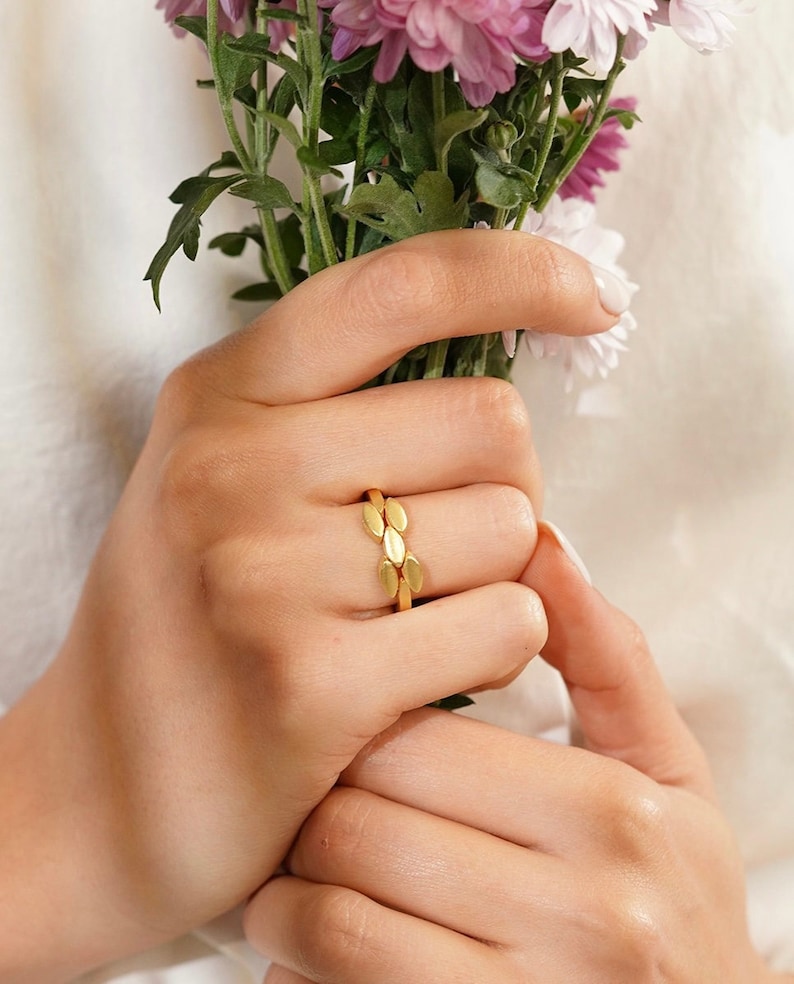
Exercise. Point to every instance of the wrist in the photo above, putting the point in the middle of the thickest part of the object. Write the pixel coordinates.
(64, 908)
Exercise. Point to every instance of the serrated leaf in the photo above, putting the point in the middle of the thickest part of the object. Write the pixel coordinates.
(196, 195)
(400, 213)
(264, 191)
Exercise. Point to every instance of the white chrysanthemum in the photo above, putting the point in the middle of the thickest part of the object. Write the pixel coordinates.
(703, 24)
(572, 223)
(590, 28)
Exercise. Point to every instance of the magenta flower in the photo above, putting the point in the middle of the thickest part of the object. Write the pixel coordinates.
(229, 15)
(479, 38)
(601, 155)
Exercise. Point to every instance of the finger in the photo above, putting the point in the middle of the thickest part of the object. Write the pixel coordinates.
(346, 324)
(463, 539)
(450, 645)
(280, 975)
(338, 936)
(537, 794)
(414, 437)
(430, 867)
(623, 706)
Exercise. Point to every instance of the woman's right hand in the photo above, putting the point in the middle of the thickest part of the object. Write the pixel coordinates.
(225, 663)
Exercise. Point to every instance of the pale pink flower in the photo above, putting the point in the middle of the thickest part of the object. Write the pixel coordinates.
(479, 38)
(280, 30)
(601, 155)
(590, 28)
(704, 24)
(230, 12)
(572, 223)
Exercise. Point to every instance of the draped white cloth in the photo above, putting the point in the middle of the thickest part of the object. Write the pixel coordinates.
(673, 478)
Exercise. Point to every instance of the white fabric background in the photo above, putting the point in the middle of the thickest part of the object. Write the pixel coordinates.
(673, 479)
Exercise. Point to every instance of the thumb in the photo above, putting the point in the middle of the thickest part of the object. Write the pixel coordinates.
(623, 706)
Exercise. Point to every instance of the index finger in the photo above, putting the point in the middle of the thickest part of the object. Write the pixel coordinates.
(344, 325)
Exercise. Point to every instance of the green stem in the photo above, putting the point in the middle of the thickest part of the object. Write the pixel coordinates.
(436, 359)
(225, 101)
(582, 141)
(274, 245)
(361, 148)
(549, 132)
(439, 112)
(309, 32)
(499, 219)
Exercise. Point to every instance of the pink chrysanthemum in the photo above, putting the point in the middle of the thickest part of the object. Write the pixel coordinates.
(601, 155)
(280, 30)
(230, 12)
(479, 38)
(590, 28)
(704, 24)
(572, 223)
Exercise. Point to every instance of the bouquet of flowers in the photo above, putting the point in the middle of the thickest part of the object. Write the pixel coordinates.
(408, 116)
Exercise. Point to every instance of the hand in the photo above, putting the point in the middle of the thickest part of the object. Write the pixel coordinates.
(223, 668)
(458, 852)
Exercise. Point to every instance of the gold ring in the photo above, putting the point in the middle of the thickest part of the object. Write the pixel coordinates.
(399, 572)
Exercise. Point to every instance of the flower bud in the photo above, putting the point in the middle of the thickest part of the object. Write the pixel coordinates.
(501, 136)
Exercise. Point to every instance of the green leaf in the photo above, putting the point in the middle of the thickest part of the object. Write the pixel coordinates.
(233, 243)
(399, 213)
(502, 184)
(285, 127)
(264, 191)
(235, 68)
(292, 238)
(265, 291)
(453, 703)
(315, 163)
(196, 26)
(196, 195)
(454, 124)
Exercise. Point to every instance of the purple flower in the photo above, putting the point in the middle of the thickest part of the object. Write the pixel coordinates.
(601, 155)
(703, 24)
(479, 38)
(590, 28)
(230, 13)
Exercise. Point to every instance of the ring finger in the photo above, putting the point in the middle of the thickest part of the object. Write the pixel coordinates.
(462, 538)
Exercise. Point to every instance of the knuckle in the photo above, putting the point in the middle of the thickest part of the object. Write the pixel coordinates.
(402, 283)
(627, 919)
(502, 406)
(635, 818)
(183, 395)
(522, 619)
(339, 827)
(334, 935)
(512, 519)
(197, 473)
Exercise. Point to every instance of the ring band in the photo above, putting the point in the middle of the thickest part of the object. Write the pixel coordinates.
(399, 572)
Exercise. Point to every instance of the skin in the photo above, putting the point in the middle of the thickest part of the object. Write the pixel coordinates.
(453, 851)
(224, 665)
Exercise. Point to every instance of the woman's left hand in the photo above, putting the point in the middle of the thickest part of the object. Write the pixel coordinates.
(459, 852)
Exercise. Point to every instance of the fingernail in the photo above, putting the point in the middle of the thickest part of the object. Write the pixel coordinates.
(568, 549)
(613, 291)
